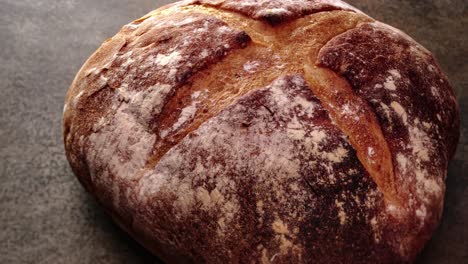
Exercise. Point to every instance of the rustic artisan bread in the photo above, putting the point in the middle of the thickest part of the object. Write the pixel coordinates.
(265, 131)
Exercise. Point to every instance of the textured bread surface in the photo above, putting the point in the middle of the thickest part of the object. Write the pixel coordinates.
(265, 132)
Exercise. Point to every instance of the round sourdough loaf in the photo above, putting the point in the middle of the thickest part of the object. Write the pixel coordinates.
(222, 131)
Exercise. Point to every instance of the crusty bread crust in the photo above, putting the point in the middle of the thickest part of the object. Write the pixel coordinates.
(265, 131)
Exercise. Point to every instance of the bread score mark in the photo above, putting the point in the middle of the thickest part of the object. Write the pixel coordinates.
(357, 120)
(148, 64)
(350, 112)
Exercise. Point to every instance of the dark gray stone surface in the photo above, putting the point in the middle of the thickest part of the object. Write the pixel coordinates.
(45, 215)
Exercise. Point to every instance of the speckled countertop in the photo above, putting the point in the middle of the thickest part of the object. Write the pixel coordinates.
(46, 216)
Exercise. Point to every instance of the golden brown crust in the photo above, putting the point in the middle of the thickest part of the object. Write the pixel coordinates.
(357, 120)
(215, 123)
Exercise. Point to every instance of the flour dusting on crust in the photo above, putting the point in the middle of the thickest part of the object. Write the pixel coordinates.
(250, 171)
(138, 80)
(187, 114)
(277, 11)
(417, 112)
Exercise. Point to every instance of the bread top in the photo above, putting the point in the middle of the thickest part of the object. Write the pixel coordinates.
(276, 11)
(269, 130)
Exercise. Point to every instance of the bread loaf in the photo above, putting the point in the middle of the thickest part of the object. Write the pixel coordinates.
(254, 131)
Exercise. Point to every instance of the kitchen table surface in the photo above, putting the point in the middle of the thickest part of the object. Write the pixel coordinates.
(47, 217)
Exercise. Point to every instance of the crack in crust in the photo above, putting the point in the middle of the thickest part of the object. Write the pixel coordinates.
(358, 121)
(416, 108)
(119, 94)
(370, 143)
